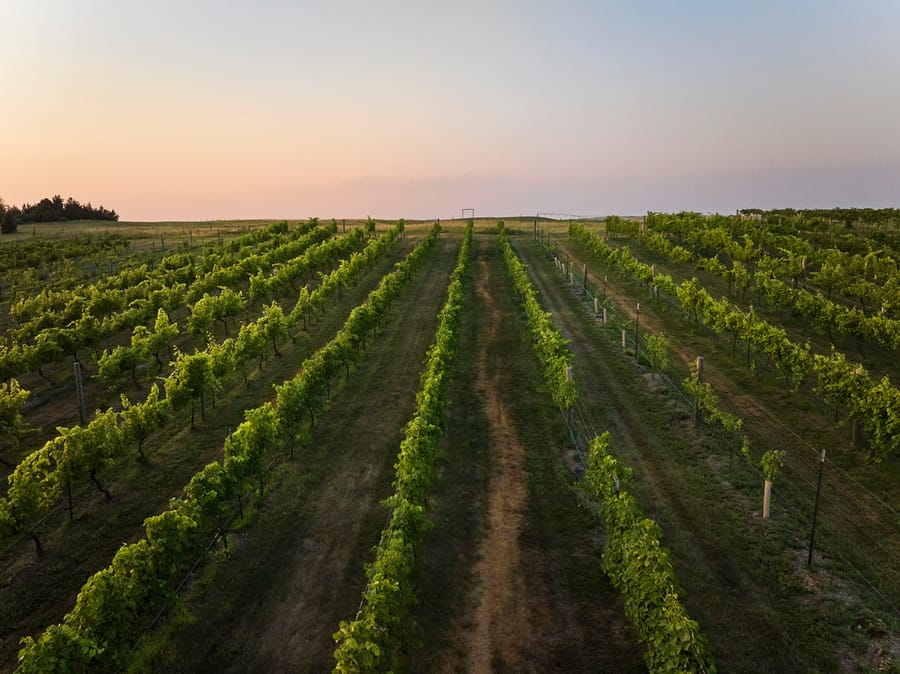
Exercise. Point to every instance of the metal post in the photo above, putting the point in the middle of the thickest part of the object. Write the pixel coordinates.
(79, 392)
(812, 535)
(697, 398)
(570, 412)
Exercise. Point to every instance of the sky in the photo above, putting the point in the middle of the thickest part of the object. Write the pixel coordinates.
(204, 110)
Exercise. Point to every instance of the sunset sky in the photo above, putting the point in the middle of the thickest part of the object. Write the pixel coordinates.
(200, 110)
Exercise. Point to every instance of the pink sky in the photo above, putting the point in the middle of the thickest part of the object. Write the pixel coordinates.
(203, 111)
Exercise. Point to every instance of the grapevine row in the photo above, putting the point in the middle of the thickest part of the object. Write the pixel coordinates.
(62, 307)
(116, 605)
(46, 474)
(826, 315)
(145, 345)
(877, 406)
(86, 320)
(634, 559)
(369, 641)
(641, 569)
(552, 350)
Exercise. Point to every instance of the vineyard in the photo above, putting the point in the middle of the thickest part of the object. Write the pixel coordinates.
(659, 444)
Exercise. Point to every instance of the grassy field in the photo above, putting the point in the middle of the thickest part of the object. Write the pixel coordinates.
(509, 578)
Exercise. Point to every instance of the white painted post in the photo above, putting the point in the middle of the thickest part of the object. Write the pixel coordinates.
(596, 306)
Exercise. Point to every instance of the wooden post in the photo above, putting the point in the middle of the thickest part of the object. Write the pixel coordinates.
(623, 339)
(767, 498)
(584, 281)
(596, 306)
(604, 315)
(79, 392)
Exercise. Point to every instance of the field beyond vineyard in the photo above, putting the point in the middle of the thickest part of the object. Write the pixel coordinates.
(291, 495)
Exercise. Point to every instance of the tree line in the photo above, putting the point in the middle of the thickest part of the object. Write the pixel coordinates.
(50, 210)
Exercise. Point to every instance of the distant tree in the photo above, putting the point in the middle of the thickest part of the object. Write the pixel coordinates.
(55, 209)
(8, 221)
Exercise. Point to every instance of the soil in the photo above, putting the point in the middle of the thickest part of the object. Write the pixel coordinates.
(536, 600)
(505, 614)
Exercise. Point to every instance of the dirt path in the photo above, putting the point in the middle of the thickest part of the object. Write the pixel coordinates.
(298, 569)
(502, 621)
(534, 598)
